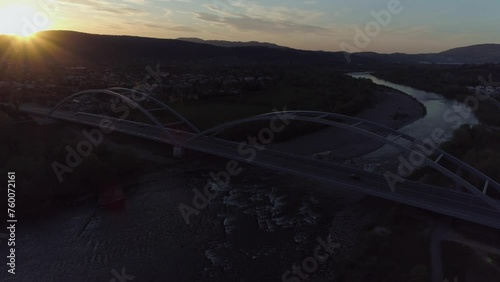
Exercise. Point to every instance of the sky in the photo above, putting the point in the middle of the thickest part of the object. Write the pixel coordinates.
(386, 26)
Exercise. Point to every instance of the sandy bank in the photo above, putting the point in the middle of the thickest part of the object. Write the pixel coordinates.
(394, 109)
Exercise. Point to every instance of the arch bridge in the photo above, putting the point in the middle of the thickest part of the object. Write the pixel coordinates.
(473, 203)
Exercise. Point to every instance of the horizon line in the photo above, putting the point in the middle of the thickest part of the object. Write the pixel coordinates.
(250, 41)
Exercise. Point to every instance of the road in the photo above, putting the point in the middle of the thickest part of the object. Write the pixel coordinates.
(436, 199)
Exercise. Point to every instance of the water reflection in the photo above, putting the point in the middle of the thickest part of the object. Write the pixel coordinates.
(441, 114)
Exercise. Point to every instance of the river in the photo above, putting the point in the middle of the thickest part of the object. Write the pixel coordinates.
(442, 114)
(257, 230)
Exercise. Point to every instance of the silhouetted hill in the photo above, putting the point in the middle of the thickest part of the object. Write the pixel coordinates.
(475, 54)
(395, 58)
(68, 47)
(223, 43)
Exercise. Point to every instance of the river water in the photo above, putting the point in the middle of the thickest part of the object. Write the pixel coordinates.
(442, 113)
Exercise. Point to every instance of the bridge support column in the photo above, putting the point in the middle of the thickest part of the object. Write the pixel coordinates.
(179, 152)
(437, 236)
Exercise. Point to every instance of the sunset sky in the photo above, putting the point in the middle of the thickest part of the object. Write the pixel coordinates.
(420, 26)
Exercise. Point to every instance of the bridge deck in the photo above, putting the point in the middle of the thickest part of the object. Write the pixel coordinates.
(452, 203)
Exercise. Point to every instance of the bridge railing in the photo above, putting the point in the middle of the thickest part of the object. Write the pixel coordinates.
(379, 134)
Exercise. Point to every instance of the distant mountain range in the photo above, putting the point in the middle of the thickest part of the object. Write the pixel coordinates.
(222, 43)
(475, 54)
(68, 47)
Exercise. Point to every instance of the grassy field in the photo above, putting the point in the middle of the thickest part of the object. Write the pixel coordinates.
(348, 96)
(208, 113)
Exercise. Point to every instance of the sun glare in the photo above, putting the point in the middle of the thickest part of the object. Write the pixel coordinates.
(21, 20)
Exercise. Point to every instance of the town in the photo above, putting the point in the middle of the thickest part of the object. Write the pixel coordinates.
(173, 84)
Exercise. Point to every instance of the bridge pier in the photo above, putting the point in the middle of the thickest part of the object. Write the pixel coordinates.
(439, 233)
(179, 152)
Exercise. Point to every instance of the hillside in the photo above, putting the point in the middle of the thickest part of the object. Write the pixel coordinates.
(475, 54)
(67, 48)
(222, 43)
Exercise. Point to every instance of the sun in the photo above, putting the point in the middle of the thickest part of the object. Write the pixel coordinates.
(21, 20)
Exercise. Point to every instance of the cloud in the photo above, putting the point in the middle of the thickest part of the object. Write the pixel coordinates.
(179, 28)
(246, 23)
(107, 6)
(247, 16)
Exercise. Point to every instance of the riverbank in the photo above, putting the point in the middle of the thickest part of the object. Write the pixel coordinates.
(255, 231)
(454, 85)
(394, 109)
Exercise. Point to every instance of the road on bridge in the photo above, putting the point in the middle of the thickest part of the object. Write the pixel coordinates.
(436, 199)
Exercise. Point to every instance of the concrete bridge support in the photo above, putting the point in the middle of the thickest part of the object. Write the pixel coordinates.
(179, 152)
(437, 236)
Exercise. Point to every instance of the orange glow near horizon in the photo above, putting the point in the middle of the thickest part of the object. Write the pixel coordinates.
(21, 20)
